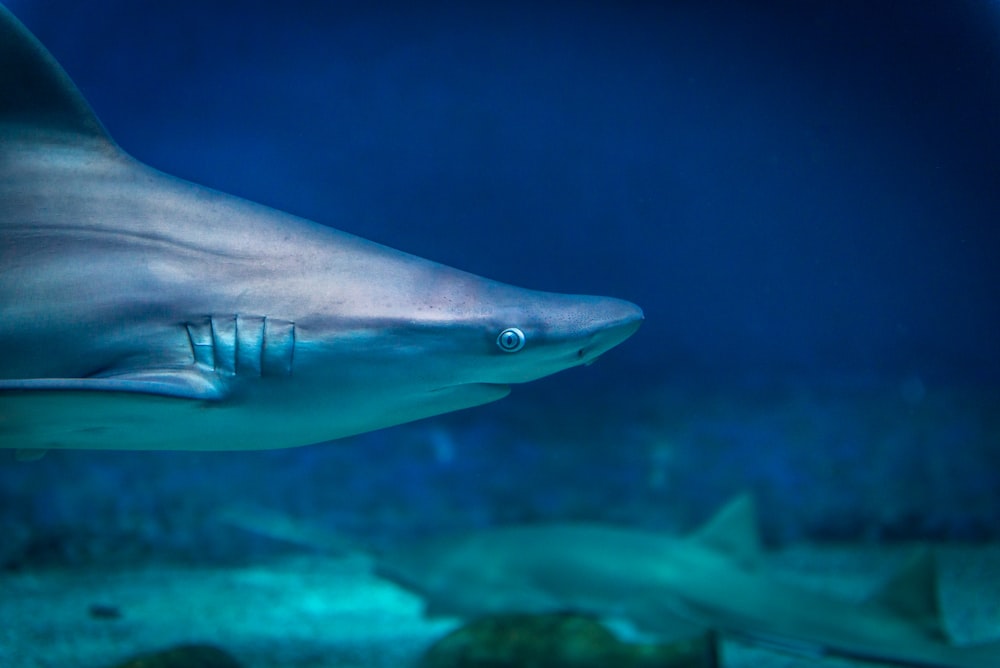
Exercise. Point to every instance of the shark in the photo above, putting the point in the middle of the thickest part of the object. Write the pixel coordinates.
(711, 579)
(140, 311)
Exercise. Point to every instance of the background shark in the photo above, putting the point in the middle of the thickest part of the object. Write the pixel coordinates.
(713, 578)
(139, 311)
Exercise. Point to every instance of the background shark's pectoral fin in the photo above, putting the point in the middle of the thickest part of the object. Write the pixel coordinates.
(667, 624)
(180, 383)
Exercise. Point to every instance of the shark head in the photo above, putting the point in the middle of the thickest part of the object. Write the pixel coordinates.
(140, 311)
(373, 351)
(452, 333)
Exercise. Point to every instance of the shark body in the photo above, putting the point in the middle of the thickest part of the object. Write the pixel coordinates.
(140, 311)
(672, 586)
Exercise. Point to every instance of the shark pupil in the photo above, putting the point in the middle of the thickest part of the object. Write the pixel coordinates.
(511, 340)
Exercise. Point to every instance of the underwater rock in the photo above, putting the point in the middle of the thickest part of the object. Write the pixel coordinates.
(183, 656)
(562, 640)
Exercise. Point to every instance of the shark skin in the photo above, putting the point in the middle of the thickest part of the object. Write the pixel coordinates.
(671, 587)
(140, 311)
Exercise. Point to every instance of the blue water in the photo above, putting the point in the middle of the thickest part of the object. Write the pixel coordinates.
(802, 196)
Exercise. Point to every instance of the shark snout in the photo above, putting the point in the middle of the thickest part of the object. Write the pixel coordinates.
(619, 320)
(563, 331)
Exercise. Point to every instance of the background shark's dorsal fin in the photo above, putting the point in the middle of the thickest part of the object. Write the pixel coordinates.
(733, 530)
(912, 594)
(37, 97)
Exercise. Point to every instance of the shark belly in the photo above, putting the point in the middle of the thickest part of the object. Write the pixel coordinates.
(275, 414)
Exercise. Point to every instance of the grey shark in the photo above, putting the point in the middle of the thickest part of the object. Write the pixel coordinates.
(140, 311)
(670, 587)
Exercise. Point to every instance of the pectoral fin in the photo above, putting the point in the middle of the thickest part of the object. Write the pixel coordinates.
(179, 383)
(148, 410)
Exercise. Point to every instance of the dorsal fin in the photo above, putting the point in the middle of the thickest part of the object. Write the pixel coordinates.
(733, 530)
(912, 594)
(38, 100)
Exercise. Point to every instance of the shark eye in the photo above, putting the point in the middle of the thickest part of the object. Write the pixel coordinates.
(510, 340)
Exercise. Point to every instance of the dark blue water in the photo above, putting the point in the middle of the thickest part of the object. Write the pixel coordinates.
(804, 198)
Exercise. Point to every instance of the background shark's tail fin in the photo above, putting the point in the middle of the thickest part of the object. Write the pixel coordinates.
(37, 97)
(912, 594)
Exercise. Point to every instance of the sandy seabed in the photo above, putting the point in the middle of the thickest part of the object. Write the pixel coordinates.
(315, 611)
